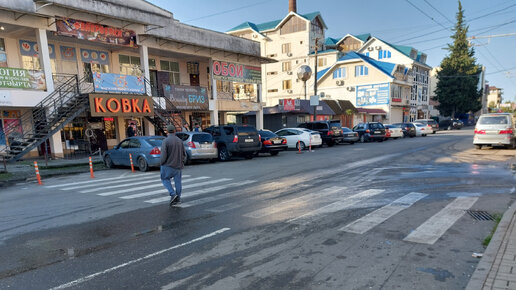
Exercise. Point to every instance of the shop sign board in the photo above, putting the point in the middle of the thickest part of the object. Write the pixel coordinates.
(188, 97)
(106, 105)
(375, 94)
(96, 32)
(115, 83)
(19, 78)
(229, 71)
(290, 104)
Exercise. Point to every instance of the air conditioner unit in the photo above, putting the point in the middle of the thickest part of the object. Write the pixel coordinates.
(289, 54)
(289, 91)
(370, 48)
(350, 89)
(255, 36)
(339, 82)
(289, 73)
(378, 47)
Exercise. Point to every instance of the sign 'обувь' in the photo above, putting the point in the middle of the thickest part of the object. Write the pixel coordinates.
(102, 105)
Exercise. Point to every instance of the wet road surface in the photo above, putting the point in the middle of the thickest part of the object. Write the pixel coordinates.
(376, 216)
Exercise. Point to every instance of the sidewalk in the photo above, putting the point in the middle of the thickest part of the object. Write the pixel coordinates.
(24, 170)
(497, 268)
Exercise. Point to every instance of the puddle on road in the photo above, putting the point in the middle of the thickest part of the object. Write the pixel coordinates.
(439, 274)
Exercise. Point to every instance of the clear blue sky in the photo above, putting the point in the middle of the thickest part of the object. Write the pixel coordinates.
(425, 26)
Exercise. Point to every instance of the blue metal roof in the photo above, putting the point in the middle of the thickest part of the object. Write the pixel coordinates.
(363, 37)
(385, 67)
(329, 41)
(271, 24)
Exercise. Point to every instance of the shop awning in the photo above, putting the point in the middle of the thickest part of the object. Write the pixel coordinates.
(371, 111)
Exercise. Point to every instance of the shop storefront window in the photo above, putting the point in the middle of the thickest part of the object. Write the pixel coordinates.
(90, 68)
(224, 90)
(152, 63)
(3, 55)
(30, 55)
(110, 128)
(172, 68)
(10, 119)
(243, 91)
(129, 65)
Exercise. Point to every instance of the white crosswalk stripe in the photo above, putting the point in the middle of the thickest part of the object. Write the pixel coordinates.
(199, 192)
(162, 199)
(380, 215)
(344, 203)
(433, 228)
(327, 194)
(156, 182)
(98, 180)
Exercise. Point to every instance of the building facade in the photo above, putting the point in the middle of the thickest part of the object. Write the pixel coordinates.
(117, 57)
(494, 97)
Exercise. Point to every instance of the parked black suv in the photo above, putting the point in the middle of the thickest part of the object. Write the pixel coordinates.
(233, 140)
(331, 131)
(409, 129)
(450, 124)
(371, 131)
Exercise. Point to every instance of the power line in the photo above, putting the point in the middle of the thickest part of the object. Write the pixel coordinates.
(424, 13)
(438, 11)
(227, 11)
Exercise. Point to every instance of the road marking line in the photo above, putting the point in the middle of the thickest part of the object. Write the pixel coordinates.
(296, 202)
(89, 277)
(380, 215)
(165, 191)
(157, 183)
(345, 203)
(433, 228)
(101, 187)
(212, 198)
(140, 179)
(97, 180)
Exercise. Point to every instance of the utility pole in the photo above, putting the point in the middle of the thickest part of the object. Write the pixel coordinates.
(315, 75)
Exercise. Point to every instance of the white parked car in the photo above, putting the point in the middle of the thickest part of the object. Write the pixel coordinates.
(497, 129)
(300, 138)
(423, 130)
(394, 131)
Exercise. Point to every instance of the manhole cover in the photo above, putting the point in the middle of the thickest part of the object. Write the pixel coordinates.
(480, 215)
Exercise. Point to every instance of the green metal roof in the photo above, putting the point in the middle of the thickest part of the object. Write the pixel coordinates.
(364, 37)
(271, 24)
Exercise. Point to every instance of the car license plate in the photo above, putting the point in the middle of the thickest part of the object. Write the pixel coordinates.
(205, 146)
(377, 132)
(276, 142)
(350, 135)
(249, 140)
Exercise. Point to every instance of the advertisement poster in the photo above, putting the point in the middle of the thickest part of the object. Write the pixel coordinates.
(96, 32)
(369, 95)
(228, 71)
(31, 48)
(188, 97)
(68, 53)
(94, 56)
(19, 78)
(115, 83)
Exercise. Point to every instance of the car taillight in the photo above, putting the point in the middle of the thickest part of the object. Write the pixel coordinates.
(330, 133)
(155, 151)
(214, 144)
(284, 141)
(481, 132)
(235, 139)
(367, 131)
(259, 137)
(506, 131)
(267, 142)
(429, 126)
(191, 145)
(437, 126)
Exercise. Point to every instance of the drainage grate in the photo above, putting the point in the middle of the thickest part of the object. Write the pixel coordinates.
(480, 215)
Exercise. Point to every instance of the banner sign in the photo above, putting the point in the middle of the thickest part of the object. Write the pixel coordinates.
(102, 105)
(115, 83)
(68, 53)
(369, 95)
(94, 56)
(19, 78)
(228, 71)
(96, 32)
(188, 97)
(31, 48)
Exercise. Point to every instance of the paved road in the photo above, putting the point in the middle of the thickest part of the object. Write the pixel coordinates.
(376, 216)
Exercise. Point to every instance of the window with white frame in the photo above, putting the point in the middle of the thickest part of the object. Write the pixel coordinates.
(384, 54)
(286, 66)
(287, 84)
(339, 73)
(361, 70)
(285, 48)
(173, 68)
(129, 65)
(321, 61)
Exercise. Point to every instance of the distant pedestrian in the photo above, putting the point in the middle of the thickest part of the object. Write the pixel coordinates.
(197, 128)
(131, 132)
(172, 162)
(185, 128)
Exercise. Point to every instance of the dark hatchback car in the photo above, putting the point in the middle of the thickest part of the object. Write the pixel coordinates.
(349, 136)
(330, 131)
(233, 140)
(409, 129)
(272, 143)
(371, 131)
(451, 124)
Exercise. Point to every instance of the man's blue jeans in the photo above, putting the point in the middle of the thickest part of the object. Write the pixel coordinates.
(167, 173)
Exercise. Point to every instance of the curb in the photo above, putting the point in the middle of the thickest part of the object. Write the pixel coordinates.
(486, 270)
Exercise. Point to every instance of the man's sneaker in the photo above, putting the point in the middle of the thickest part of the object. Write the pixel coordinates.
(173, 200)
(178, 200)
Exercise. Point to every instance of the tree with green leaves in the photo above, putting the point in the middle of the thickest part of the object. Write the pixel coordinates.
(456, 90)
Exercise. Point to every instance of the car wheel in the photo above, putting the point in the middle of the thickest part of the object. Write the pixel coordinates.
(351, 143)
(108, 162)
(330, 143)
(478, 146)
(142, 165)
(362, 139)
(434, 132)
(249, 156)
(424, 135)
(213, 160)
(449, 128)
(274, 153)
(380, 140)
(224, 154)
(300, 146)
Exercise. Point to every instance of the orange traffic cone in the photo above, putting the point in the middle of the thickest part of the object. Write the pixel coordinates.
(131, 159)
(38, 177)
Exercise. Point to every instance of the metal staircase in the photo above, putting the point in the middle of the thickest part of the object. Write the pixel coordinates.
(48, 117)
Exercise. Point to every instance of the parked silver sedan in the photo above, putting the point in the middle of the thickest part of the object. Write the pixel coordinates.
(199, 146)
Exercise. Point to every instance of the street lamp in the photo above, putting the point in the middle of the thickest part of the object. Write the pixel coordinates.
(304, 73)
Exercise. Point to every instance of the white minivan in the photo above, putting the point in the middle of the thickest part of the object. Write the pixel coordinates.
(497, 129)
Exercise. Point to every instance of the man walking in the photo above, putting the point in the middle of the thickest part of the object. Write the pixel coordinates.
(172, 162)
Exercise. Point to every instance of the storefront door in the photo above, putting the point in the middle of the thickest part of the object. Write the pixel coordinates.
(194, 80)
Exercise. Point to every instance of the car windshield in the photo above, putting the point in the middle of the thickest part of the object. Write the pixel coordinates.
(202, 138)
(376, 126)
(493, 120)
(155, 141)
(246, 131)
(346, 130)
(419, 125)
(267, 134)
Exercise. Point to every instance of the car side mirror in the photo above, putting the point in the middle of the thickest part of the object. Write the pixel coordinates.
(117, 147)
